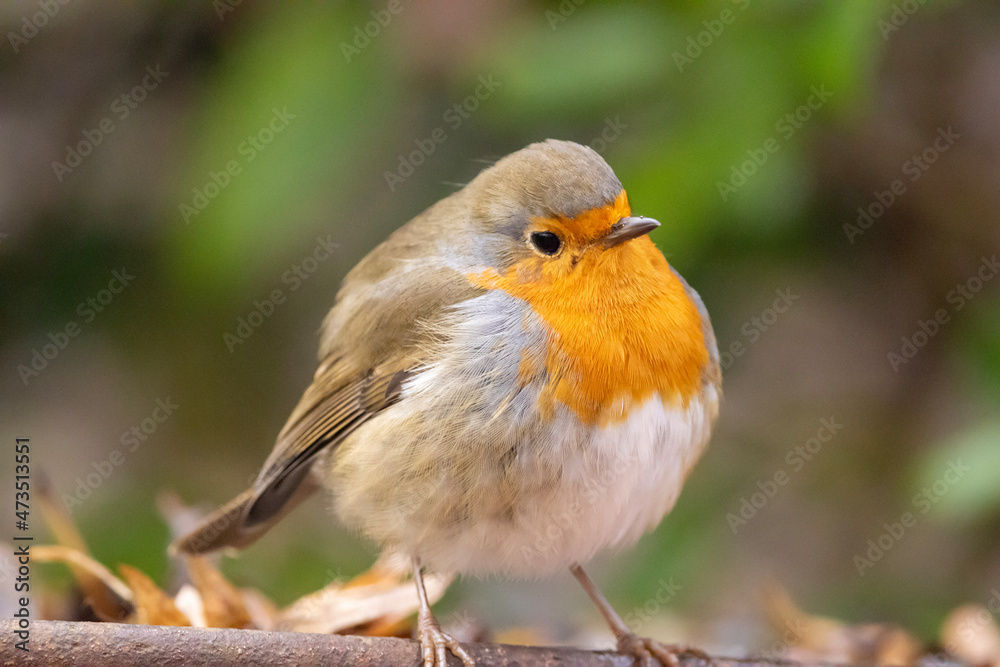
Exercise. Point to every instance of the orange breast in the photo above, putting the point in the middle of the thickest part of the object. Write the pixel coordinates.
(620, 324)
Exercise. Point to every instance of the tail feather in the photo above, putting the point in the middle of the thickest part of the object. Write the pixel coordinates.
(228, 527)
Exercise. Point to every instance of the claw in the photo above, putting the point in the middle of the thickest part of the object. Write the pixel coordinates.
(436, 644)
(649, 652)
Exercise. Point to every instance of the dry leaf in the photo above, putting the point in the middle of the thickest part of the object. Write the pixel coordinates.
(376, 603)
(379, 599)
(110, 599)
(818, 639)
(107, 601)
(188, 601)
(152, 605)
(57, 519)
(972, 634)
(263, 613)
(222, 603)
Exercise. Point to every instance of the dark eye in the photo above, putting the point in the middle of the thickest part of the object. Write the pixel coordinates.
(546, 242)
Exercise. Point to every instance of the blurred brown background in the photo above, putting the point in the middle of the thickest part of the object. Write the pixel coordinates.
(828, 176)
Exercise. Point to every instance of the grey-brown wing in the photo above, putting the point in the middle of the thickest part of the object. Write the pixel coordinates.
(388, 334)
(329, 411)
(338, 401)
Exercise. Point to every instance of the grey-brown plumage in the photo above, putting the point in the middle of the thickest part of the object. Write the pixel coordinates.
(439, 419)
(367, 341)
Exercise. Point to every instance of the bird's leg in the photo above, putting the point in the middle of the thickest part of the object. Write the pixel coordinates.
(433, 641)
(646, 651)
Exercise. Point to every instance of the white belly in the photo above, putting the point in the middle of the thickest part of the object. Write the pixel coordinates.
(555, 506)
(608, 493)
(466, 474)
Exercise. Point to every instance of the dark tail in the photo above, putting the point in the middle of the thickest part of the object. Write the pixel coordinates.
(228, 526)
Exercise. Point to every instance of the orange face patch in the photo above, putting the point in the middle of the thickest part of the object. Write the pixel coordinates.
(621, 325)
(588, 226)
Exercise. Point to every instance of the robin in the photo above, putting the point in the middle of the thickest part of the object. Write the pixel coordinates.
(512, 381)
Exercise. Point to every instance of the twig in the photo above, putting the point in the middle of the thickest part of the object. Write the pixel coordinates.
(63, 643)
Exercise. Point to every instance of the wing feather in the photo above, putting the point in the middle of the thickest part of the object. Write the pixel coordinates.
(370, 346)
(335, 404)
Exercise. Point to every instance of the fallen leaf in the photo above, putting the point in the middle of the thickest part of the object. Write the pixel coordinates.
(971, 633)
(819, 639)
(152, 605)
(110, 599)
(106, 600)
(379, 598)
(223, 604)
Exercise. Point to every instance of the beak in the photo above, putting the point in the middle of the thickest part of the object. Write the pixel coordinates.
(627, 229)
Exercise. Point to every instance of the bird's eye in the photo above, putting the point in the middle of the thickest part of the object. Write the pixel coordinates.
(546, 242)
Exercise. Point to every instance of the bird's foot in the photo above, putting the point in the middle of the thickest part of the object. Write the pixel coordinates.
(652, 653)
(436, 644)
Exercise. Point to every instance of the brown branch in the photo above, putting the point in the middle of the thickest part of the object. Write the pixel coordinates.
(58, 643)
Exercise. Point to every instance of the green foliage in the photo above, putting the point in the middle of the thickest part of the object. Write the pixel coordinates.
(290, 62)
(689, 102)
(960, 479)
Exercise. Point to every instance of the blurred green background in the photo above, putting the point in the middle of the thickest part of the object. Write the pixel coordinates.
(204, 150)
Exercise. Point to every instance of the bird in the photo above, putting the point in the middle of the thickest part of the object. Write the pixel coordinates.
(511, 382)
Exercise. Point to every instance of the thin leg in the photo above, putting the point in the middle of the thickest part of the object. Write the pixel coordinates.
(646, 651)
(433, 641)
(607, 611)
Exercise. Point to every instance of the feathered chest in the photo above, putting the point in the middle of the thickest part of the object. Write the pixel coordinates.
(619, 328)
